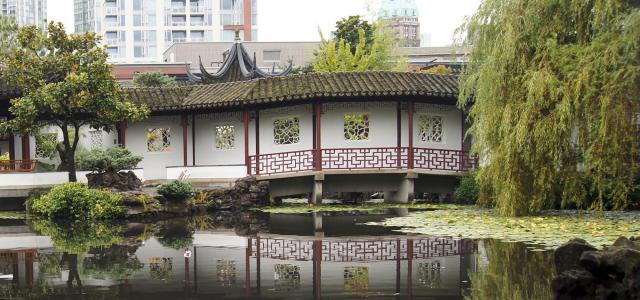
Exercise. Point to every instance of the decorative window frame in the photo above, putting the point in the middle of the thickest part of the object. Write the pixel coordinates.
(273, 123)
(234, 136)
(442, 128)
(93, 135)
(168, 148)
(37, 148)
(369, 134)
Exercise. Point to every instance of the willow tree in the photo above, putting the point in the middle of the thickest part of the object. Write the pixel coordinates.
(554, 93)
(65, 82)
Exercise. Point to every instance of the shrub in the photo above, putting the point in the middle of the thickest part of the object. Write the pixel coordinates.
(75, 201)
(468, 190)
(4, 156)
(112, 160)
(176, 190)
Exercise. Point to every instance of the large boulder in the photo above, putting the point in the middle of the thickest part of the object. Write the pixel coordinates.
(121, 181)
(567, 256)
(611, 273)
(246, 193)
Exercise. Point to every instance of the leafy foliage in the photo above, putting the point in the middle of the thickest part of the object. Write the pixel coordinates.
(176, 235)
(79, 237)
(341, 56)
(153, 79)
(5, 156)
(554, 88)
(176, 190)
(348, 30)
(65, 82)
(112, 160)
(549, 229)
(74, 201)
(8, 30)
(468, 190)
(438, 70)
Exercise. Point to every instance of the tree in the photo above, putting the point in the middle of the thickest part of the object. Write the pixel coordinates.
(66, 82)
(8, 29)
(339, 56)
(553, 88)
(348, 30)
(153, 79)
(438, 70)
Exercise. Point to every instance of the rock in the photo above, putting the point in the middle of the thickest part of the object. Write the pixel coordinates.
(568, 254)
(121, 181)
(611, 273)
(246, 193)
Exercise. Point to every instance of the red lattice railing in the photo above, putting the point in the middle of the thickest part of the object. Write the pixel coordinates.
(283, 162)
(11, 166)
(364, 158)
(443, 160)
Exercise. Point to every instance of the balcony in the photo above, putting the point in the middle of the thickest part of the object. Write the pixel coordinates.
(111, 24)
(110, 10)
(197, 23)
(179, 39)
(197, 38)
(112, 42)
(178, 9)
(197, 10)
(362, 159)
(178, 23)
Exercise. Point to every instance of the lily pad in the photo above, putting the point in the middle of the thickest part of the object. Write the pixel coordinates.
(305, 209)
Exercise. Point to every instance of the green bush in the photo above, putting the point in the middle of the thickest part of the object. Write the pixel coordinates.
(74, 201)
(468, 190)
(176, 190)
(113, 160)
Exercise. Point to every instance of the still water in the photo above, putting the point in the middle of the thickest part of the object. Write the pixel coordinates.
(261, 256)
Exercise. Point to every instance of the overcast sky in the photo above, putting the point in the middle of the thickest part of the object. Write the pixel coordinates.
(298, 20)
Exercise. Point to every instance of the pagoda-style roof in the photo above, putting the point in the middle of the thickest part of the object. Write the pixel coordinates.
(237, 66)
(301, 88)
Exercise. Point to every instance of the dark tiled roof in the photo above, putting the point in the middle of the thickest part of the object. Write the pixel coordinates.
(297, 88)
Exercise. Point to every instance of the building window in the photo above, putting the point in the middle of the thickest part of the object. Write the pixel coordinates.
(46, 145)
(95, 139)
(159, 139)
(356, 127)
(286, 131)
(430, 128)
(226, 272)
(225, 137)
(271, 55)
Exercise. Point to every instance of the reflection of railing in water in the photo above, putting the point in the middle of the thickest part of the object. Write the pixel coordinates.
(364, 250)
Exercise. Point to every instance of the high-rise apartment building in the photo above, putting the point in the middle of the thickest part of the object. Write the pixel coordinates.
(140, 30)
(403, 18)
(26, 12)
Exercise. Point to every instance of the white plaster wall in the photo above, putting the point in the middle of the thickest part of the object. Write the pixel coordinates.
(45, 178)
(209, 172)
(206, 152)
(268, 116)
(155, 163)
(451, 126)
(382, 124)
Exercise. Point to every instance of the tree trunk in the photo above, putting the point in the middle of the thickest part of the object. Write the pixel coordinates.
(71, 165)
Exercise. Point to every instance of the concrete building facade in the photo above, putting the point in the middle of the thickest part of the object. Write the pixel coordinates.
(140, 30)
(402, 16)
(26, 12)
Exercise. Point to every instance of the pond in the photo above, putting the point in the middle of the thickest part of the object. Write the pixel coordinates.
(262, 255)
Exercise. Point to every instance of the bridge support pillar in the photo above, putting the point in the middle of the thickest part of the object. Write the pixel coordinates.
(316, 194)
(405, 191)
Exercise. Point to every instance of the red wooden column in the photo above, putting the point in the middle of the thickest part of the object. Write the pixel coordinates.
(12, 147)
(26, 148)
(410, 268)
(122, 133)
(317, 135)
(317, 269)
(185, 139)
(257, 120)
(247, 269)
(399, 134)
(245, 122)
(410, 111)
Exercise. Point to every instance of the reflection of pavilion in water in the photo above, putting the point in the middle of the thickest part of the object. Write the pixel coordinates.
(302, 266)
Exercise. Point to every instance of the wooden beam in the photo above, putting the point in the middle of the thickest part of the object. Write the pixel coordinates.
(257, 120)
(399, 133)
(26, 148)
(317, 133)
(245, 122)
(12, 147)
(193, 139)
(122, 133)
(410, 110)
(185, 140)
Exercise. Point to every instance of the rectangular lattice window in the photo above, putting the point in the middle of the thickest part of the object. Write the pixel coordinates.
(159, 139)
(356, 278)
(286, 131)
(46, 145)
(356, 127)
(95, 139)
(225, 137)
(430, 128)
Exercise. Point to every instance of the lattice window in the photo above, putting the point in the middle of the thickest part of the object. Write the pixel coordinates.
(286, 131)
(46, 145)
(430, 128)
(286, 277)
(95, 139)
(225, 137)
(356, 278)
(159, 139)
(356, 127)
(429, 274)
(226, 272)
